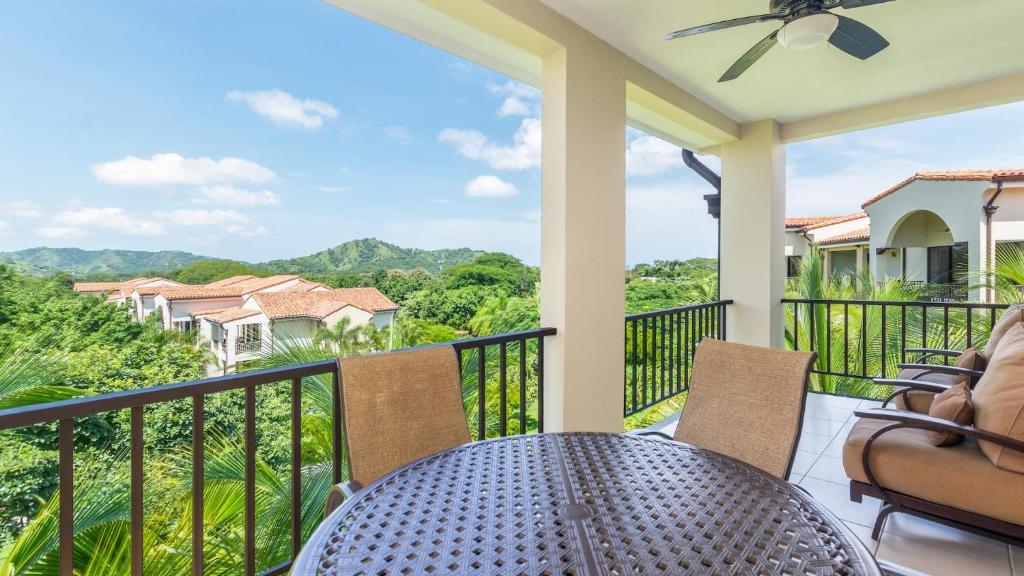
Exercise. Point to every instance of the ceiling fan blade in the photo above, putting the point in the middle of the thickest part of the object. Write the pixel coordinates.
(748, 59)
(723, 25)
(848, 4)
(857, 39)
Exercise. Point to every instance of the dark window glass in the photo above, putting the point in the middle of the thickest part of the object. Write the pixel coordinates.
(792, 266)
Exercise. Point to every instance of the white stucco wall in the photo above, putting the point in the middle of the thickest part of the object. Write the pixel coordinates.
(958, 204)
(833, 230)
(182, 310)
(796, 244)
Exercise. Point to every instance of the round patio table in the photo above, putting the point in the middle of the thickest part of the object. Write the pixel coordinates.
(581, 504)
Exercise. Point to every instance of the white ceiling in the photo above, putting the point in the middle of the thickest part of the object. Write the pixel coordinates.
(935, 45)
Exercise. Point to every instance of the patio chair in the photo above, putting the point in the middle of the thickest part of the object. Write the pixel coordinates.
(398, 407)
(746, 402)
(918, 382)
(976, 484)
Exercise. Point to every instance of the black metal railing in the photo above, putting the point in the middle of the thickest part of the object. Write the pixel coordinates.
(858, 340)
(660, 347)
(526, 348)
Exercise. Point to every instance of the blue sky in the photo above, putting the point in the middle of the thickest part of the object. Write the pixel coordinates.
(283, 128)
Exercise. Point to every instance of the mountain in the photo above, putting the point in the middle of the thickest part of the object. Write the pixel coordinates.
(356, 256)
(45, 261)
(371, 255)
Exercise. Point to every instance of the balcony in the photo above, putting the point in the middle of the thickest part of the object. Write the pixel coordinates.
(503, 380)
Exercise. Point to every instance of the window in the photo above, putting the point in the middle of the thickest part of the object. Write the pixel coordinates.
(185, 326)
(793, 266)
(249, 339)
(945, 262)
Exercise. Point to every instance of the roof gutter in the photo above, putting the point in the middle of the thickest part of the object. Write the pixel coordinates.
(714, 205)
(990, 209)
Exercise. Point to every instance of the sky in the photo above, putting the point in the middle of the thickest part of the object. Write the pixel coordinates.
(285, 128)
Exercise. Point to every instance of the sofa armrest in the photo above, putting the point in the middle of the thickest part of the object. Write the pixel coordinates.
(930, 423)
(339, 493)
(927, 353)
(940, 369)
(655, 434)
(905, 386)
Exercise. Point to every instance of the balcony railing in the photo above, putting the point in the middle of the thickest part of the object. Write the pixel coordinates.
(660, 347)
(248, 346)
(502, 379)
(858, 340)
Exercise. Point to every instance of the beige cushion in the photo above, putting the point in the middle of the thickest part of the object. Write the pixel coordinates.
(1013, 315)
(972, 359)
(999, 399)
(954, 405)
(960, 476)
(746, 402)
(399, 407)
(917, 400)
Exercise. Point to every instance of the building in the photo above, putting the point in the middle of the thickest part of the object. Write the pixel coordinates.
(266, 320)
(177, 304)
(932, 228)
(121, 292)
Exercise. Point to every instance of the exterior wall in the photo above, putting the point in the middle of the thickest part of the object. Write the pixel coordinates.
(958, 204)
(182, 310)
(297, 331)
(1008, 221)
(833, 230)
(796, 244)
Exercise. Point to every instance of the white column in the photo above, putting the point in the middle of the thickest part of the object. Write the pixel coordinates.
(753, 228)
(583, 241)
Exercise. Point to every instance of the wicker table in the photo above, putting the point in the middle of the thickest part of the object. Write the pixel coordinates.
(581, 504)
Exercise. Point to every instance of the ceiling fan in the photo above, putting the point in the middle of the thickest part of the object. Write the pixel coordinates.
(806, 23)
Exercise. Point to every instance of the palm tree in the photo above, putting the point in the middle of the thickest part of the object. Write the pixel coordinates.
(344, 338)
(31, 371)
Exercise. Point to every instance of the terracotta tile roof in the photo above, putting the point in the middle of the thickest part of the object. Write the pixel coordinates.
(197, 292)
(229, 281)
(369, 299)
(837, 220)
(97, 286)
(306, 286)
(151, 290)
(803, 221)
(289, 304)
(223, 315)
(997, 175)
(860, 235)
(256, 284)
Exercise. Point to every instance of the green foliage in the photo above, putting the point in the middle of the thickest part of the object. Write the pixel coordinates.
(454, 308)
(497, 270)
(644, 295)
(370, 255)
(113, 263)
(206, 271)
(28, 476)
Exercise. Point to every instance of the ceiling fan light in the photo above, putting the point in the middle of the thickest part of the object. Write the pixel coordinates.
(808, 31)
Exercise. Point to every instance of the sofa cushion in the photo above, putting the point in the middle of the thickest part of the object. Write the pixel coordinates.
(954, 405)
(999, 399)
(905, 461)
(917, 400)
(972, 359)
(1010, 318)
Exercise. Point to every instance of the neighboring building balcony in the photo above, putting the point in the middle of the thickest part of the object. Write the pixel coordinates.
(248, 346)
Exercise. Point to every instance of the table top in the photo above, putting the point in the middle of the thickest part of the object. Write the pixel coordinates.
(581, 504)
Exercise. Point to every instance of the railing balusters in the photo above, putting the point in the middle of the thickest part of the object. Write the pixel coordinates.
(661, 349)
(522, 386)
(503, 383)
(336, 434)
(198, 472)
(250, 480)
(481, 393)
(66, 465)
(945, 333)
(885, 342)
(296, 466)
(828, 341)
(540, 384)
(864, 338)
(846, 339)
(903, 333)
(136, 464)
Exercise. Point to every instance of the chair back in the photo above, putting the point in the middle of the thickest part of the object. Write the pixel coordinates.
(399, 407)
(747, 402)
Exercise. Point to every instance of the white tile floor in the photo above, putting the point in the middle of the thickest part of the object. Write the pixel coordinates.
(910, 544)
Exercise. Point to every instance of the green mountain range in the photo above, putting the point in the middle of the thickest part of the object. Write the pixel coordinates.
(355, 256)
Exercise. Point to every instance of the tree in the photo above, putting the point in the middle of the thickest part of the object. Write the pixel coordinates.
(494, 269)
(206, 271)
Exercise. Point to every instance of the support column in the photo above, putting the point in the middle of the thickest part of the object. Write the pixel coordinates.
(753, 228)
(583, 241)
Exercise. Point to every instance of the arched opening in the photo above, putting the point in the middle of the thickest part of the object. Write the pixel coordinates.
(924, 250)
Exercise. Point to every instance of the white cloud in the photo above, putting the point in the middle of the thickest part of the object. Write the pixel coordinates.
(59, 232)
(333, 188)
(247, 231)
(4, 227)
(109, 218)
(188, 217)
(520, 99)
(489, 187)
(236, 196)
(399, 134)
(523, 154)
(650, 156)
(283, 108)
(669, 220)
(170, 168)
(22, 209)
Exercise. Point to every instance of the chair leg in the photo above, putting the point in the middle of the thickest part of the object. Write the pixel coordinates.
(883, 512)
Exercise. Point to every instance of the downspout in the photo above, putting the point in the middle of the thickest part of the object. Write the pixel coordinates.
(990, 209)
(714, 205)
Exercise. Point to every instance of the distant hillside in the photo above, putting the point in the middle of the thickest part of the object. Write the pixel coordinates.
(45, 261)
(371, 255)
(356, 256)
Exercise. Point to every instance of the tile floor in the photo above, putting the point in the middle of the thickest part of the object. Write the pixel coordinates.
(909, 544)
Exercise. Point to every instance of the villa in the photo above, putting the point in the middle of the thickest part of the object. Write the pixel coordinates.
(925, 229)
(120, 292)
